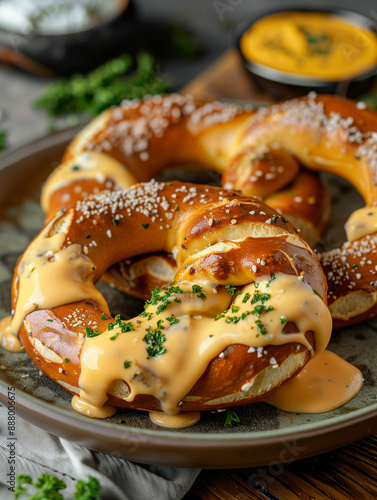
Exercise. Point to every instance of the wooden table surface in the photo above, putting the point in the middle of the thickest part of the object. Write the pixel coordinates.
(347, 473)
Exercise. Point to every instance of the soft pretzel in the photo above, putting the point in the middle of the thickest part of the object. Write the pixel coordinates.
(338, 136)
(245, 313)
(136, 141)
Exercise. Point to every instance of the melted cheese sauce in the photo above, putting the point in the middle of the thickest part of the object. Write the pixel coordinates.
(93, 165)
(193, 341)
(91, 411)
(310, 44)
(361, 223)
(180, 421)
(7, 340)
(326, 383)
(49, 276)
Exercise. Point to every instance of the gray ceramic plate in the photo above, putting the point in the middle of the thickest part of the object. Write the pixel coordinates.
(264, 436)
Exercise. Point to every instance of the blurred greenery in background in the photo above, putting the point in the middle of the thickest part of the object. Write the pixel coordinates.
(106, 86)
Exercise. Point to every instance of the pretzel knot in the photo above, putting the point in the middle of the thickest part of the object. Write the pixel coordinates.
(246, 309)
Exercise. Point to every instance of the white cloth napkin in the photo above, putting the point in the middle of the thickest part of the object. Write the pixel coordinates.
(38, 452)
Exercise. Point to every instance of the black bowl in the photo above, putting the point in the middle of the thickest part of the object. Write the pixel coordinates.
(49, 54)
(283, 85)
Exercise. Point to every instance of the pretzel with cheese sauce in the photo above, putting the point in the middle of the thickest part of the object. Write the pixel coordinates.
(245, 312)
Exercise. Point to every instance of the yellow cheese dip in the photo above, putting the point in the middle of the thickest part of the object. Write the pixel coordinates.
(311, 44)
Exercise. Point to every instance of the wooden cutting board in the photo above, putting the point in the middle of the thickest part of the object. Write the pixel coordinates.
(228, 79)
(347, 473)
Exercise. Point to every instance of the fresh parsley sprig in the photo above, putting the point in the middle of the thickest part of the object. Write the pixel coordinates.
(49, 487)
(231, 418)
(106, 86)
(3, 136)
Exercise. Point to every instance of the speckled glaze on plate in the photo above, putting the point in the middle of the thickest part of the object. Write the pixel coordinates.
(265, 434)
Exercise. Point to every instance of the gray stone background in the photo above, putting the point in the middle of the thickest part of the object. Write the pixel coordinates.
(212, 23)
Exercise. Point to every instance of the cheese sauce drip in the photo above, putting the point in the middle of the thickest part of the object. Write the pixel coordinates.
(72, 271)
(164, 353)
(326, 383)
(182, 420)
(92, 411)
(361, 223)
(7, 340)
(94, 165)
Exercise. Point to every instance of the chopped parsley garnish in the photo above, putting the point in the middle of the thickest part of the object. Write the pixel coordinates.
(103, 316)
(75, 168)
(114, 336)
(115, 222)
(246, 298)
(261, 327)
(283, 320)
(260, 297)
(235, 309)
(201, 295)
(159, 324)
(221, 315)
(154, 339)
(274, 218)
(50, 320)
(144, 314)
(66, 360)
(273, 277)
(196, 288)
(260, 308)
(88, 236)
(172, 320)
(145, 226)
(118, 323)
(162, 301)
(127, 363)
(91, 333)
(315, 291)
(231, 289)
(355, 266)
(231, 418)
(232, 319)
